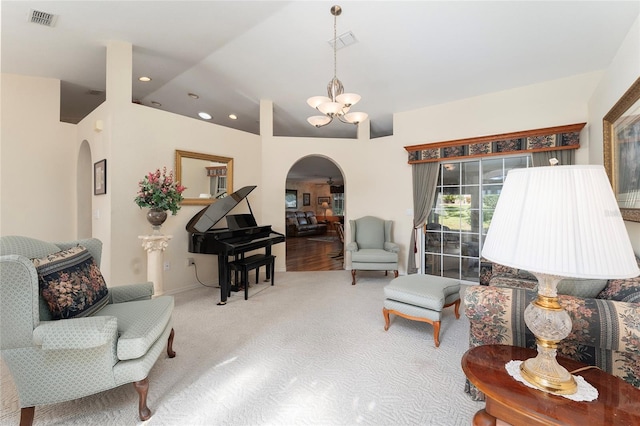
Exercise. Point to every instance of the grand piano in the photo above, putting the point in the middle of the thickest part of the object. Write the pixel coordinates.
(241, 235)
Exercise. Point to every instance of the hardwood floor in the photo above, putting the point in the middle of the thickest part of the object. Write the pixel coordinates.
(307, 254)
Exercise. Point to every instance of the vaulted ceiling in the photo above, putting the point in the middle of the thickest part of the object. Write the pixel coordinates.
(232, 54)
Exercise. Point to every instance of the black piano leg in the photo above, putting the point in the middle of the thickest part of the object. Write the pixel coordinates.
(223, 279)
(245, 279)
(267, 278)
(272, 267)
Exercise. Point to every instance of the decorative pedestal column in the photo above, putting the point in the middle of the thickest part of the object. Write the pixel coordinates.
(155, 246)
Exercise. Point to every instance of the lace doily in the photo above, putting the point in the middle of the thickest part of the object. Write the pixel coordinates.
(586, 392)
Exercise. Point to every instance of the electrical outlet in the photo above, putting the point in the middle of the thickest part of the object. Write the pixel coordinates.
(190, 261)
(167, 266)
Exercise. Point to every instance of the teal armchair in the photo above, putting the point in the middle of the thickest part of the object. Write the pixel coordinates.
(115, 340)
(371, 247)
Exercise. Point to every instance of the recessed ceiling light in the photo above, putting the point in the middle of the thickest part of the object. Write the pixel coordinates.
(204, 116)
(233, 116)
(154, 103)
(194, 96)
(144, 78)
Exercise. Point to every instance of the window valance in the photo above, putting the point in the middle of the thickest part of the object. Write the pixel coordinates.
(547, 139)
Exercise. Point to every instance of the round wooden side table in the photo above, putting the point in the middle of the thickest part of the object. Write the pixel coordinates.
(618, 402)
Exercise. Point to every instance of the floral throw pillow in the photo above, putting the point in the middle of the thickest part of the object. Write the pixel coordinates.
(71, 283)
(623, 290)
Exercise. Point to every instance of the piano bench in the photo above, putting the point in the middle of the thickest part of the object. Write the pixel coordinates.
(253, 262)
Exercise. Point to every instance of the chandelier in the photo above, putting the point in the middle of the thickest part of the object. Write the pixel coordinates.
(338, 103)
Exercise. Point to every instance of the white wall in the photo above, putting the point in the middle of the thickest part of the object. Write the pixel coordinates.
(37, 161)
(147, 139)
(624, 70)
(548, 104)
(136, 140)
(376, 175)
(154, 136)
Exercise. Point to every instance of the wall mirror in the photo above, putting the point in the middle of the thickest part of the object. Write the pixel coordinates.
(207, 177)
(621, 137)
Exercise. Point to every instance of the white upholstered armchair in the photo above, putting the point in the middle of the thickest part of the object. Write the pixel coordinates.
(371, 246)
(103, 338)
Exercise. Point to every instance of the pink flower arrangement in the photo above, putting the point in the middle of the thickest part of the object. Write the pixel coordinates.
(159, 190)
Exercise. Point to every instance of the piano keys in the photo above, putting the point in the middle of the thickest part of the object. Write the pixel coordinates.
(241, 235)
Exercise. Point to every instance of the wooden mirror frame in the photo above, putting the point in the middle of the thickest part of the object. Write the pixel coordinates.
(610, 144)
(207, 157)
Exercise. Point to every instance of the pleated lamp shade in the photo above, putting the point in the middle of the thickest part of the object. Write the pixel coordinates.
(560, 220)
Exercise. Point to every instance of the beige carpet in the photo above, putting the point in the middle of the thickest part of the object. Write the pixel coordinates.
(310, 351)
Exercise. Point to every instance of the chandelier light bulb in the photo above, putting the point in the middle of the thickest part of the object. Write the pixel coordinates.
(330, 108)
(319, 120)
(356, 117)
(314, 101)
(348, 99)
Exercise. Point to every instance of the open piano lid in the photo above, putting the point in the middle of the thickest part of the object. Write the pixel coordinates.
(210, 215)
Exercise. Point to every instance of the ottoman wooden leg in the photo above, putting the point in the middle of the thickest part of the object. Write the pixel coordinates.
(436, 333)
(385, 312)
(456, 307)
(436, 324)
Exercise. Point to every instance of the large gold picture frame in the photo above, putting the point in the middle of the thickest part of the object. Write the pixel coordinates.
(621, 131)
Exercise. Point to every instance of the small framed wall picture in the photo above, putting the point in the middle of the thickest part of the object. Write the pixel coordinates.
(324, 200)
(306, 199)
(291, 198)
(100, 177)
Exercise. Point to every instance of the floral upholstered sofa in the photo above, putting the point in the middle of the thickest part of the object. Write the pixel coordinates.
(605, 316)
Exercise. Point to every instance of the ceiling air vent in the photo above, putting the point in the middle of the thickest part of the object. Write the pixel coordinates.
(343, 40)
(42, 18)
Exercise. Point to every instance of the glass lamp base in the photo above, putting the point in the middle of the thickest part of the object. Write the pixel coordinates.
(544, 373)
(550, 323)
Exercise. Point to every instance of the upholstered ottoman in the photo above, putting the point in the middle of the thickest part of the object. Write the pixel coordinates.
(421, 298)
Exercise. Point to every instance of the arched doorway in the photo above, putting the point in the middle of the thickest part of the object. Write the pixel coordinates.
(315, 187)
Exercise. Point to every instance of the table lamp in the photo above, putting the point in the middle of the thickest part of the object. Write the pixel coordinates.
(557, 222)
